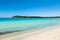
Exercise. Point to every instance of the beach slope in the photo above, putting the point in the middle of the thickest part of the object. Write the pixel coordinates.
(51, 33)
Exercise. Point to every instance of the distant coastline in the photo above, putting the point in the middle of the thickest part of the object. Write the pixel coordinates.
(34, 17)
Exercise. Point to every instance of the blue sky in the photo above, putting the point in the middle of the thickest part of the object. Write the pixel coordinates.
(9, 8)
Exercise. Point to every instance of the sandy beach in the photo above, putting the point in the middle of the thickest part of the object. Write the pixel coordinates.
(50, 33)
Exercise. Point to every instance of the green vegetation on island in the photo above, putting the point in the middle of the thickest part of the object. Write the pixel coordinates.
(35, 17)
(26, 17)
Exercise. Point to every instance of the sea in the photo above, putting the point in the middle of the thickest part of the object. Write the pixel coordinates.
(9, 25)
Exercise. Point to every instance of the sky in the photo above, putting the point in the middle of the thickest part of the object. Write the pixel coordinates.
(9, 8)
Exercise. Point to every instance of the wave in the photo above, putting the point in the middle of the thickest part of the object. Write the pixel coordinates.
(2, 33)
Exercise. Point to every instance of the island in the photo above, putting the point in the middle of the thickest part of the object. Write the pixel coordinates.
(26, 17)
(17, 16)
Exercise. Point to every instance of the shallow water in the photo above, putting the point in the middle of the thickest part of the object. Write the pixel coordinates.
(14, 24)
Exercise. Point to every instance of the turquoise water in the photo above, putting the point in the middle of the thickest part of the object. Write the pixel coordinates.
(13, 24)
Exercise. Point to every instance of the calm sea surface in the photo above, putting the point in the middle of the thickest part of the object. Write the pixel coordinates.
(14, 24)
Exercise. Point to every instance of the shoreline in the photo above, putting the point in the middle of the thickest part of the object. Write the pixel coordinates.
(22, 35)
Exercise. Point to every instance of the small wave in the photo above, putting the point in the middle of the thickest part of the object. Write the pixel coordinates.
(2, 33)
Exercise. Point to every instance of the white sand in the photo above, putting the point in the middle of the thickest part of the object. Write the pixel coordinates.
(51, 33)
